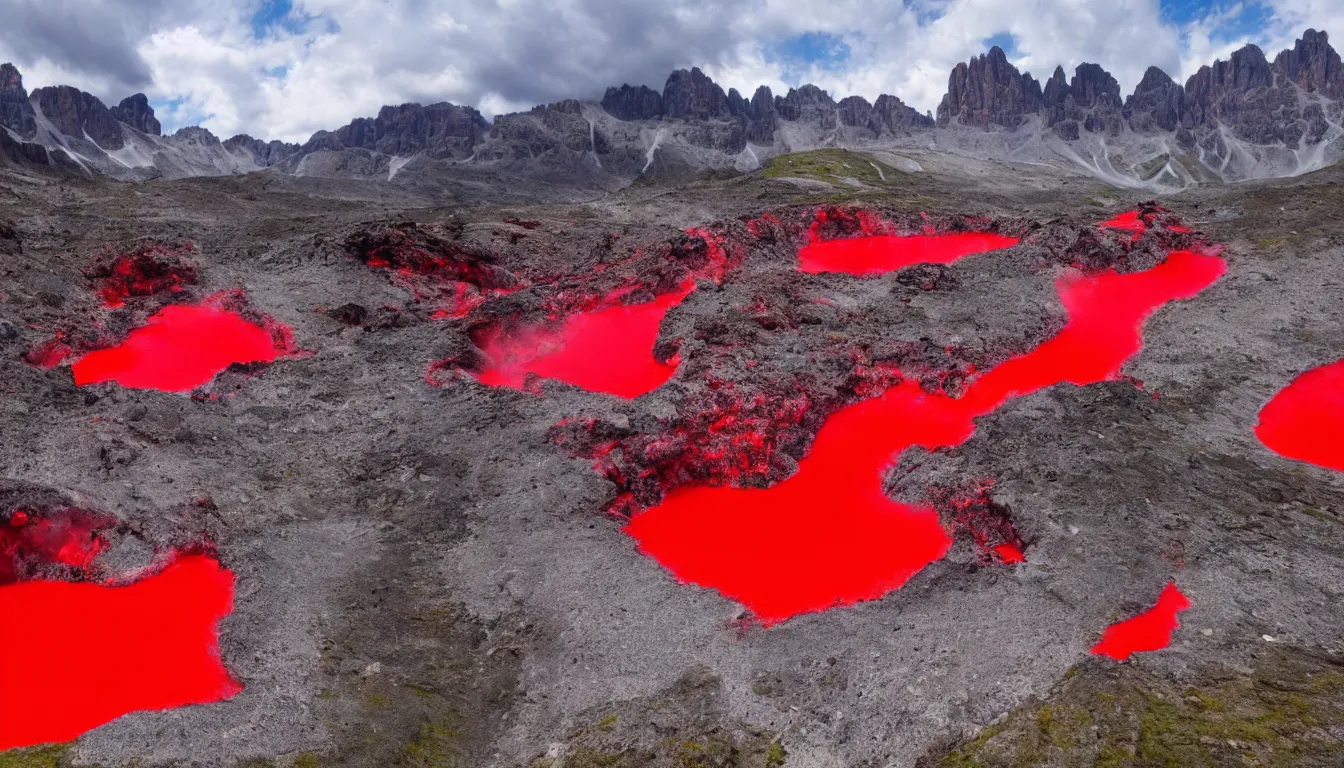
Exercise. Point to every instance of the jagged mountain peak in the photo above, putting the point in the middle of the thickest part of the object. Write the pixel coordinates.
(1293, 104)
(136, 112)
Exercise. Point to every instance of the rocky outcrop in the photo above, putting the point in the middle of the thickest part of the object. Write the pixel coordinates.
(633, 103)
(1312, 64)
(76, 113)
(1090, 101)
(1224, 92)
(988, 90)
(1156, 104)
(691, 95)
(195, 134)
(555, 137)
(22, 152)
(136, 112)
(891, 116)
(760, 118)
(1245, 94)
(808, 104)
(855, 111)
(16, 113)
(263, 153)
(888, 116)
(444, 131)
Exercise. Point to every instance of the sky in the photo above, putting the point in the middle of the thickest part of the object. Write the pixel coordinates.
(283, 69)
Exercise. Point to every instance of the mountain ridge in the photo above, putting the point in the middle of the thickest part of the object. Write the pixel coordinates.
(1280, 114)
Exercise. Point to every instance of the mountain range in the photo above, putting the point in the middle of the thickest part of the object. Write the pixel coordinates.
(1246, 117)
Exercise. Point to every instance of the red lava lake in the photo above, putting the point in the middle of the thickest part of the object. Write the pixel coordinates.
(828, 536)
(1149, 631)
(1306, 419)
(877, 254)
(178, 349)
(74, 656)
(606, 350)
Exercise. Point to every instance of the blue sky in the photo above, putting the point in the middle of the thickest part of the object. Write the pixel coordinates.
(286, 68)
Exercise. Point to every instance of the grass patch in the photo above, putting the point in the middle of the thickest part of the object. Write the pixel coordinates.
(50, 756)
(1116, 718)
(832, 166)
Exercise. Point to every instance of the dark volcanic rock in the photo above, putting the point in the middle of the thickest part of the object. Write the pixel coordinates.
(890, 115)
(76, 113)
(1313, 64)
(16, 113)
(691, 95)
(633, 103)
(443, 130)
(1157, 103)
(264, 153)
(808, 104)
(136, 112)
(988, 90)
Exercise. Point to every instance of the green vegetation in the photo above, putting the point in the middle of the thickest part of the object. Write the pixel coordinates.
(1279, 716)
(832, 166)
(50, 756)
(437, 746)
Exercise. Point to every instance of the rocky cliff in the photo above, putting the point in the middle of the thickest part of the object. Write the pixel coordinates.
(988, 90)
(16, 113)
(136, 112)
(78, 114)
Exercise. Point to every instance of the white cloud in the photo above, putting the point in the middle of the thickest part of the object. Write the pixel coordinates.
(340, 59)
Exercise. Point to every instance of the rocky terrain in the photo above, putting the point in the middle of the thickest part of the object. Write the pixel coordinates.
(433, 572)
(1243, 118)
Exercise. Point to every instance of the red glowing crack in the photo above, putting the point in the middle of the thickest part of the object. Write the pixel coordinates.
(180, 348)
(1305, 420)
(828, 536)
(878, 254)
(76, 656)
(1149, 631)
(607, 350)
(65, 537)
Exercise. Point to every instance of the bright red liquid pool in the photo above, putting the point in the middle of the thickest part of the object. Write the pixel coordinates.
(178, 349)
(1130, 221)
(886, 253)
(76, 656)
(828, 536)
(1149, 631)
(1306, 420)
(607, 350)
